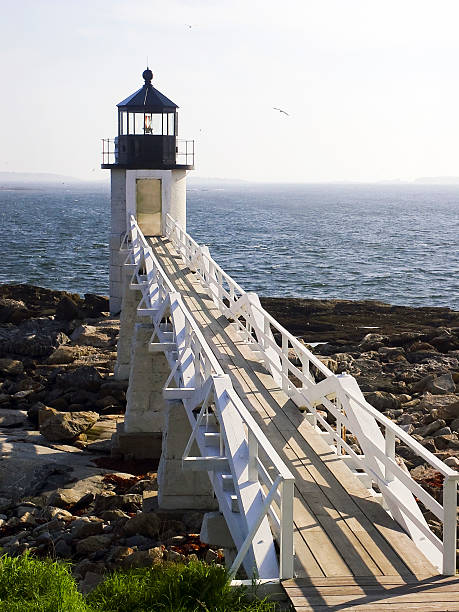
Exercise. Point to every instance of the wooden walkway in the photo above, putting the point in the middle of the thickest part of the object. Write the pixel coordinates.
(349, 553)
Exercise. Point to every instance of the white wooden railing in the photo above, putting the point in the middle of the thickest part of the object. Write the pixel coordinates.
(249, 488)
(343, 409)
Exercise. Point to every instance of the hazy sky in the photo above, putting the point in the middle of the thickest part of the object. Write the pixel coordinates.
(372, 86)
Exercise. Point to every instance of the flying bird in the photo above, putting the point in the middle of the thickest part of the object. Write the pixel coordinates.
(281, 111)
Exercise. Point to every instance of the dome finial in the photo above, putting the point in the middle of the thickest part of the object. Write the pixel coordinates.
(147, 75)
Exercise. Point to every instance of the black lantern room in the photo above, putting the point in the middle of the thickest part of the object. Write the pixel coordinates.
(147, 133)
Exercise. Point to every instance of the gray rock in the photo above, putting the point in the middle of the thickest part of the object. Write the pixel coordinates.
(85, 527)
(114, 515)
(441, 385)
(140, 541)
(372, 342)
(127, 503)
(444, 431)
(382, 400)
(93, 544)
(430, 428)
(445, 406)
(452, 462)
(13, 418)
(56, 425)
(83, 377)
(63, 549)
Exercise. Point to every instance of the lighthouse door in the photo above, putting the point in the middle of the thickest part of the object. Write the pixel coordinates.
(148, 205)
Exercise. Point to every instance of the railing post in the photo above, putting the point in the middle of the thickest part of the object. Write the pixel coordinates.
(390, 453)
(253, 456)
(449, 526)
(287, 492)
(284, 363)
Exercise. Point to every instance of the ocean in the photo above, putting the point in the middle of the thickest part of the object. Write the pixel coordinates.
(396, 243)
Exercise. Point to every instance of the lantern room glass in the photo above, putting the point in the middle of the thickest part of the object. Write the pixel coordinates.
(155, 124)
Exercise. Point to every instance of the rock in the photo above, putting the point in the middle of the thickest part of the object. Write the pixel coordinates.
(128, 503)
(12, 418)
(63, 354)
(455, 425)
(211, 556)
(174, 556)
(445, 406)
(85, 527)
(11, 367)
(145, 523)
(441, 385)
(63, 498)
(391, 353)
(444, 431)
(13, 311)
(67, 309)
(90, 336)
(83, 377)
(56, 425)
(114, 515)
(143, 558)
(382, 400)
(452, 462)
(93, 544)
(140, 541)
(372, 342)
(118, 554)
(95, 305)
(62, 549)
(57, 513)
(430, 428)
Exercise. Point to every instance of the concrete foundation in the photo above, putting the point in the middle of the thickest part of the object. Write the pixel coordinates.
(141, 445)
(148, 373)
(117, 231)
(179, 489)
(128, 320)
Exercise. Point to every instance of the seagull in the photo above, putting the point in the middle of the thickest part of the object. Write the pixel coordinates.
(281, 111)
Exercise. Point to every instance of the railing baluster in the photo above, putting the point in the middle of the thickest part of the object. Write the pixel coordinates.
(449, 526)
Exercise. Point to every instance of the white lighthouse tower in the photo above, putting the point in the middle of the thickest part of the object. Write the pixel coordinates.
(148, 167)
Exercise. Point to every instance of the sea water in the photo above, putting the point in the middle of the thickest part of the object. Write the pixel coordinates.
(396, 243)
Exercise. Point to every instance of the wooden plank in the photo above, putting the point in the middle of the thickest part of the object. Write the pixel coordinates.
(401, 600)
(366, 580)
(429, 607)
(367, 547)
(372, 589)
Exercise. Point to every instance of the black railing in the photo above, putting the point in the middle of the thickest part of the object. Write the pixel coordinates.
(184, 152)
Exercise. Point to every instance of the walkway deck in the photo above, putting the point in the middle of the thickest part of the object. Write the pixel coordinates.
(349, 553)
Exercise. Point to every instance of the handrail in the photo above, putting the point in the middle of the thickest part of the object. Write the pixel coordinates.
(310, 384)
(195, 369)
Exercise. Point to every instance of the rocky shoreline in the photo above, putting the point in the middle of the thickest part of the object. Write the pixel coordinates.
(63, 494)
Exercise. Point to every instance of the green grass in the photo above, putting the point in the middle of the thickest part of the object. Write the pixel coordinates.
(34, 585)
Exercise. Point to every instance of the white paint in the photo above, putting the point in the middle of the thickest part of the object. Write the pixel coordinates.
(351, 410)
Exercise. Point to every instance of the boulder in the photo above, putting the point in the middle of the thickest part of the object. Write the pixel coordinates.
(56, 425)
(11, 367)
(63, 498)
(89, 335)
(93, 544)
(145, 523)
(382, 400)
(12, 418)
(95, 305)
(85, 527)
(143, 558)
(13, 311)
(445, 406)
(67, 309)
(441, 385)
(127, 503)
(63, 354)
(372, 342)
(83, 377)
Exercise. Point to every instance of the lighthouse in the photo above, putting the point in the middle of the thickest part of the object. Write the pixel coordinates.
(148, 165)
